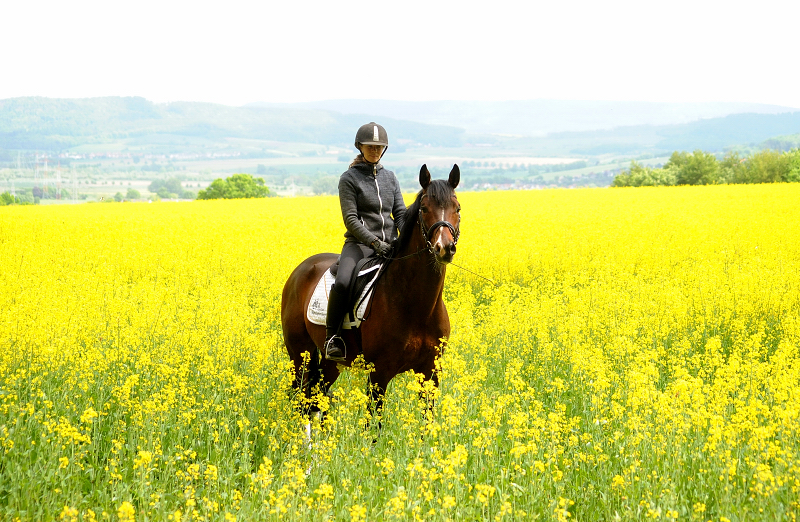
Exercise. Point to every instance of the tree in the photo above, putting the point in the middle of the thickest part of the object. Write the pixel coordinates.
(793, 175)
(732, 168)
(169, 188)
(640, 176)
(326, 185)
(768, 166)
(118, 197)
(7, 199)
(700, 168)
(133, 194)
(235, 187)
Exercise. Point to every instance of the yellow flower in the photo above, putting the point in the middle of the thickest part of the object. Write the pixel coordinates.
(143, 459)
(126, 512)
(634, 326)
(69, 513)
(324, 491)
(485, 492)
(358, 513)
(211, 473)
(88, 415)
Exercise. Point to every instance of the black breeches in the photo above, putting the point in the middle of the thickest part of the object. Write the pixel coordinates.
(352, 253)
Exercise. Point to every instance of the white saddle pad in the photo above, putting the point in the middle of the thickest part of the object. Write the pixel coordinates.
(318, 306)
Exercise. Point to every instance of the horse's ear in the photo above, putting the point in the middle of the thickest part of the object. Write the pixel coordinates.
(455, 177)
(424, 177)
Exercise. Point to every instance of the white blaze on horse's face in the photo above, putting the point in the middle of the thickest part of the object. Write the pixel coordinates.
(438, 245)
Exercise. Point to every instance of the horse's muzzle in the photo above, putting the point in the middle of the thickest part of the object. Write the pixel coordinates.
(444, 253)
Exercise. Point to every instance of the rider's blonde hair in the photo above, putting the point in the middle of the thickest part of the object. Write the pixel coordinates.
(358, 159)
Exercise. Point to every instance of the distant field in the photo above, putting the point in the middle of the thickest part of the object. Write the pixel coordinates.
(448, 161)
(109, 172)
(613, 165)
(292, 168)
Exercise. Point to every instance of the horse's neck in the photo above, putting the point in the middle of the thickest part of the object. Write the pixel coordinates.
(417, 279)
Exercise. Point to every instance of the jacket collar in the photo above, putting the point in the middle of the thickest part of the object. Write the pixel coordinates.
(366, 168)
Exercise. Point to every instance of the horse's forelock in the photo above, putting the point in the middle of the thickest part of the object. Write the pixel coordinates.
(440, 191)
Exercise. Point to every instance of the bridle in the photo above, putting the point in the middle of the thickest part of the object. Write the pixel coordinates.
(427, 234)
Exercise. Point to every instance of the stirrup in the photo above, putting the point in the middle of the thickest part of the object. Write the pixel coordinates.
(335, 349)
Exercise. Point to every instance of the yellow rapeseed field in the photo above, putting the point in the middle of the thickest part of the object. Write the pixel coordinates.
(637, 357)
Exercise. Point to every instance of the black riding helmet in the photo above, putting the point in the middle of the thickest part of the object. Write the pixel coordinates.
(372, 134)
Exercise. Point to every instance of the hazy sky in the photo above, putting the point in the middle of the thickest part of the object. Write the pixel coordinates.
(235, 52)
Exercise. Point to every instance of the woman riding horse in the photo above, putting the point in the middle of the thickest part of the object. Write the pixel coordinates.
(408, 322)
(373, 211)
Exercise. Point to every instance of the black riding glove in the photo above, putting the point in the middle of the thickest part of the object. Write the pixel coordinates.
(382, 248)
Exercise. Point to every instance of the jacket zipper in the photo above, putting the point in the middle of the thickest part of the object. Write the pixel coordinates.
(380, 201)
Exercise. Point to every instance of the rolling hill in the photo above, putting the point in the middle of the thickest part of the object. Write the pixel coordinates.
(46, 124)
(57, 124)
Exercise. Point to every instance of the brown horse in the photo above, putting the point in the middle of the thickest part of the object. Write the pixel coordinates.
(407, 316)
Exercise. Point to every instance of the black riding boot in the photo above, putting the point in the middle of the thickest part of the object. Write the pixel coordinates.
(334, 345)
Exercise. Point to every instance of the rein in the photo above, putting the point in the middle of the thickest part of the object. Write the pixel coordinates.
(427, 235)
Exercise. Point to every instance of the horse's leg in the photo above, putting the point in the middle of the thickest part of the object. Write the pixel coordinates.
(316, 378)
(377, 390)
(305, 358)
(429, 373)
(376, 393)
(319, 388)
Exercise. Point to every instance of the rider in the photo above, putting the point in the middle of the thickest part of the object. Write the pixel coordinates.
(370, 198)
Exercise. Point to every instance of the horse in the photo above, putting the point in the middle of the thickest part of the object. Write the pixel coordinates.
(407, 323)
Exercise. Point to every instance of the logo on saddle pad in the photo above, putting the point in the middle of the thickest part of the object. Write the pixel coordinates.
(318, 306)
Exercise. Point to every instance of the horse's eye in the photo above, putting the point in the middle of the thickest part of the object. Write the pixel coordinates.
(424, 210)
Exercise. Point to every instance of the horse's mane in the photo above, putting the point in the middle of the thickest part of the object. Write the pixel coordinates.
(440, 191)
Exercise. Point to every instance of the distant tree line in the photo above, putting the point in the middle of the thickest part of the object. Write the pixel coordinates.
(6, 198)
(326, 185)
(702, 168)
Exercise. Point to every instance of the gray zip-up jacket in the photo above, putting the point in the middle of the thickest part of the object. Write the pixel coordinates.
(372, 205)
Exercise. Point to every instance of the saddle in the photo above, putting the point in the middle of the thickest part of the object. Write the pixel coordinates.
(366, 272)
